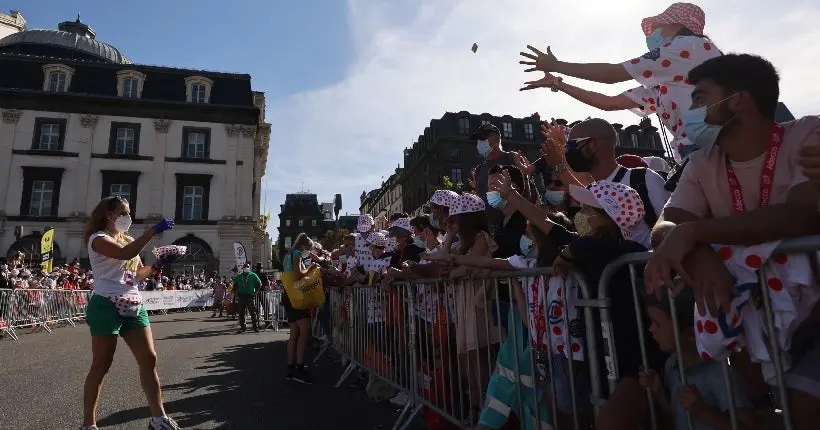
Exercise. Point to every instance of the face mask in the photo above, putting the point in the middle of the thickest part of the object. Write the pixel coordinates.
(698, 131)
(246, 270)
(582, 224)
(494, 199)
(418, 241)
(655, 40)
(305, 253)
(579, 162)
(123, 223)
(483, 147)
(434, 223)
(527, 247)
(554, 197)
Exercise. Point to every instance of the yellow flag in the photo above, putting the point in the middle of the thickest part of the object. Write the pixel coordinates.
(46, 246)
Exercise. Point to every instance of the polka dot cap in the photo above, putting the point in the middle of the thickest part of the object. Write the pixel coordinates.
(467, 203)
(377, 239)
(445, 198)
(621, 202)
(686, 14)
(365, 223)
(402, 223)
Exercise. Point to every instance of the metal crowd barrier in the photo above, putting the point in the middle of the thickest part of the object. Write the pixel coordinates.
(40, 309)
(450, 349)
(271, 312)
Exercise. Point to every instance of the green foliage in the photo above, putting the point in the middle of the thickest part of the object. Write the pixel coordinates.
(447, 184)
(334, 238)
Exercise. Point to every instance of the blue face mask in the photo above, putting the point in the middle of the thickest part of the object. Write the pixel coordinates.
(655, 40)
(702, 134)
(418, 241)
(483, 147)
(494, 199)
(554, 197)
(528, 248)
(434, 223)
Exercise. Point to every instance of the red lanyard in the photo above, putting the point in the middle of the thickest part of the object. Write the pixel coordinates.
(766, 176)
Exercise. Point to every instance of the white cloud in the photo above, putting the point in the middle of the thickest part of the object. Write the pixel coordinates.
(414, 63)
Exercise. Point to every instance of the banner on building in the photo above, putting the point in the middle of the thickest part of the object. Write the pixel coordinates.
(46, 248)
(241, 256)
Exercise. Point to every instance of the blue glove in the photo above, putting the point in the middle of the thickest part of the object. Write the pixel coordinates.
(165, 224)
(161, 262)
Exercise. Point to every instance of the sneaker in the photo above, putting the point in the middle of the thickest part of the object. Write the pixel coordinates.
(256, 329)
(164, 423)
(400, 399)
(241, 330)
(302, 375)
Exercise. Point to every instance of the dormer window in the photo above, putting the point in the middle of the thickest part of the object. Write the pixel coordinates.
(198, 89)
(57, 78)
(130, 83)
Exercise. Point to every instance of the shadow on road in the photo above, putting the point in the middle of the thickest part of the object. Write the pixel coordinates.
(243, 387)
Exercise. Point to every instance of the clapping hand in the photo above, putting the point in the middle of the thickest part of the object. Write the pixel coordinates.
(165, 224)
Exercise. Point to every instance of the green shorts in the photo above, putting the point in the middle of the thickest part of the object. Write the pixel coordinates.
(104, 320)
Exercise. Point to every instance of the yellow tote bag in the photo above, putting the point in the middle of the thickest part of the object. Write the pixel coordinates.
(305, 293)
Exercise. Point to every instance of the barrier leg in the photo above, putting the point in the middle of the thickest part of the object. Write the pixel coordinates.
(410, 417)
(350, 368)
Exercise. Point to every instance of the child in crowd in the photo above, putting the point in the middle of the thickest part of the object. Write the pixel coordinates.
(703, 397)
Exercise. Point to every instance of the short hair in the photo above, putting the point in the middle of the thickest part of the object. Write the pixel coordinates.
(743, 72)
(422, 222)
(397, 215)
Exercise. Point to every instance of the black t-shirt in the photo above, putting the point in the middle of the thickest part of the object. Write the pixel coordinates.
(592, 255)
(411, 253)
(509, 235)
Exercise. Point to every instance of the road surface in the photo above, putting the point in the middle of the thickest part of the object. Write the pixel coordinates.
(212, 379)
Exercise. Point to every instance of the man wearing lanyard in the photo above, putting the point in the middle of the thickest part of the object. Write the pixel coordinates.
(247, 284)
(744, 188)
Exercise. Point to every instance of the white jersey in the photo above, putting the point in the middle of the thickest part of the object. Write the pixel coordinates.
(112, 277)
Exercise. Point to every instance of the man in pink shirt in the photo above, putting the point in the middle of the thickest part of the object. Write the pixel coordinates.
(744, 188)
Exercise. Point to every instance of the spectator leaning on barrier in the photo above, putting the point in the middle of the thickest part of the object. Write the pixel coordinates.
(743, 189)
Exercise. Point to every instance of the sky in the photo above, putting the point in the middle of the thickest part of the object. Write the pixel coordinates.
(350, 84)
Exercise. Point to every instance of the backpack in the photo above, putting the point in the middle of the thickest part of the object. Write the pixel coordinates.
(637, 180)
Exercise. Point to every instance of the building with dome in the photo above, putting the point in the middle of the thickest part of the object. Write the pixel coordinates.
(82, 121)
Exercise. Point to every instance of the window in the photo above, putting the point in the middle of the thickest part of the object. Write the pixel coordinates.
(634, 137)
(193, 196)
(485, 122)
(464, 126)
(455, 176)
(42, 195)
(301, 223)
(313, 223)
(288, 242)
(198, 89)
(57, 78)
(49, 134)
(130, 84)
(652, 141)
(529, 133)
(506, 129)
(196, 142)
(287, 223)
(121, 183)
(41, 191)
(124, 139)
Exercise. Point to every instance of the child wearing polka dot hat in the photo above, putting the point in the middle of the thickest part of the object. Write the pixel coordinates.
(704, 378)
(617, 201)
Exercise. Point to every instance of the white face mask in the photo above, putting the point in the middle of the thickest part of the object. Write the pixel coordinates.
(246, 269)
(123, 223)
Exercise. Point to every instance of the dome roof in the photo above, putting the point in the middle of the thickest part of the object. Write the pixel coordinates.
(79, 37)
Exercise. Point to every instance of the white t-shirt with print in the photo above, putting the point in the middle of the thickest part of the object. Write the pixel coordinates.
(112, 277)
(665, 89)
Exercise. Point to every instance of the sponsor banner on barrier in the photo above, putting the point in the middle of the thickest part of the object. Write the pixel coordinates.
(176, 299)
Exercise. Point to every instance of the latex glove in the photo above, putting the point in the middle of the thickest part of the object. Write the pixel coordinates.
(165, 224)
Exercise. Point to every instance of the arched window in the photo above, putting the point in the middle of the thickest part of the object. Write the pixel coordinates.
(29, 245)
(199, 255)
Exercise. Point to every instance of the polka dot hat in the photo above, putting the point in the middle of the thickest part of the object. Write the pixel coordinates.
(365, 223)
(685, 14)
(377, 239)
(467, 203)
(445, 198)
(620, 201)
(402, 223)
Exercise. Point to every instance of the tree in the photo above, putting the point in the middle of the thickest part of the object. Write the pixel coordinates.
(334, 238)
(447, 184)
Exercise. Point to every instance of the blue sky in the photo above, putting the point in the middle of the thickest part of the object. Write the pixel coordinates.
(350, 83)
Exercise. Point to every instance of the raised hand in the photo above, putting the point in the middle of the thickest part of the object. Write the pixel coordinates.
(502, 184)
(165, 224)
(472, 179)
(541, 61)
(521, 161)
(548, 81)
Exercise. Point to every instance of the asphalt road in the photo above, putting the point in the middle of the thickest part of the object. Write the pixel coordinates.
(212, 379)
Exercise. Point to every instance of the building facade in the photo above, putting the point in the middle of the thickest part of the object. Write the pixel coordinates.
(301, 213)
(80, 122)
(385, 200)
(445, 149)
